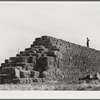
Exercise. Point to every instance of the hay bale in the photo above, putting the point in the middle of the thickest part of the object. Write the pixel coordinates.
(28, 66)
(37, 55)
(27, 81)
(35, 74)
(42, 64)
(44, 38)
(24, 74)
(30, 80)
(33, 50)
(3, 65)
(8, 70)
(21, 52)
(45, 74)
(16, 80)
(97, 76)
(0, 81)
(6, 64)
(58, 71)
(21, 59)
(7, 61)
(5, 81)
(37, 80)
(32, 59)
(27, 49)
(22, 81)
(12, 72)
(43, 79)
(19, 67)
(17, 73)
(37, 39)
(89, 76)
(54, 54)
(17, 55)
(12, 58)
(50, 62)
(51, 53)
(41, 49)
(20, 64)
(15, 60)
(54, 48)
(45, 63)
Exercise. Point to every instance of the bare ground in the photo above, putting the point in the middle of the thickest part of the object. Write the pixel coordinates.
(62, 86)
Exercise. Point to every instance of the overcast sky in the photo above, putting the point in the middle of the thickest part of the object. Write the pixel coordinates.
(22, 22)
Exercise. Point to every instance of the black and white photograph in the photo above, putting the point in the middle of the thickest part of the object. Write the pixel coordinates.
(49, 46)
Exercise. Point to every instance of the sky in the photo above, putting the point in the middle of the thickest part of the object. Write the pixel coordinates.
(22, 22)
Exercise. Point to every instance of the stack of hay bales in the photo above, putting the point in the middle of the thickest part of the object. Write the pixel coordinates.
(53, 58)
(9, 73)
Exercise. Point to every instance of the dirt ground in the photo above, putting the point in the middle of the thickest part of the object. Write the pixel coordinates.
(53, 86)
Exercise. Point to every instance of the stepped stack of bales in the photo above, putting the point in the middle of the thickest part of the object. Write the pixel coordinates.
(49, 58)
